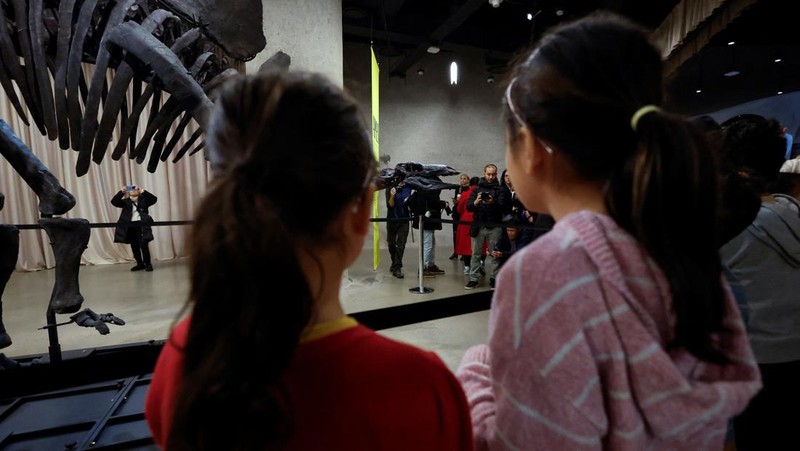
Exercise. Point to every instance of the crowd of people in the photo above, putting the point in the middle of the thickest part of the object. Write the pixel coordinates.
(619, 328)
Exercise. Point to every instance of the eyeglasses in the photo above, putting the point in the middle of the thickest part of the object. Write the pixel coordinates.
(518, 118)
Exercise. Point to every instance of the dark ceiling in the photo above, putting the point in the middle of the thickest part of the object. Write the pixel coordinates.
(402, 30)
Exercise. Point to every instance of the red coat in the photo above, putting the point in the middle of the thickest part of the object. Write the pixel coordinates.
(463, 240)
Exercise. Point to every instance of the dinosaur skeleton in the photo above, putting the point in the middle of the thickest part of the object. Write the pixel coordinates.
(182, 48)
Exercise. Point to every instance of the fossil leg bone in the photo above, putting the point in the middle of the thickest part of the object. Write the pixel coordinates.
(53, 198)
(69, 237)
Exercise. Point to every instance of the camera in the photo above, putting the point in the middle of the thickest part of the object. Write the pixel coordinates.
(130, 187)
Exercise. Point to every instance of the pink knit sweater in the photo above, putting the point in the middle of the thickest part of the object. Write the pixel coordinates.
(576, 357)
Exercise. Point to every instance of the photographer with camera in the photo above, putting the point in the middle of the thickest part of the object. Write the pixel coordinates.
(133, 225)
(489, 203)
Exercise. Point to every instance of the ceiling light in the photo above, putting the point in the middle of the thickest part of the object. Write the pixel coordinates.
(453, 73)
(490, 79)
(780, 92)
(731, 73)
(433, 49)
(495, 3)
(699, 91)
(530, 16)
(778, 60)
(559, 12)
(731, 43)
(420, 71)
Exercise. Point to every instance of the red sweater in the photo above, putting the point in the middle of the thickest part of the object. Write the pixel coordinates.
(351, 390)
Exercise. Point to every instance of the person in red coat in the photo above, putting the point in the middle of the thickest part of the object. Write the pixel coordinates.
(267, 358)
(463, 240)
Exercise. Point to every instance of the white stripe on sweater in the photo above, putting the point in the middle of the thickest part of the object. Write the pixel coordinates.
(647, 352)
(712, 412)
(662, 395)
(559, 356)
(593, 382)
(550, 424)
(506, 441)
(568, 239)
(580, 337)
(630, 434)
(557, 296)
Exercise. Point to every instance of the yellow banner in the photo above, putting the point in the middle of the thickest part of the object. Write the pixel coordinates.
(376, 234)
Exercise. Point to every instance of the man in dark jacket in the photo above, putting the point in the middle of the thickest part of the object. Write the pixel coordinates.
(489, 202)
(133, 226)
(397, 227)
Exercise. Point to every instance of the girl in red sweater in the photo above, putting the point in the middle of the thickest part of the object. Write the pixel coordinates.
(252, 369)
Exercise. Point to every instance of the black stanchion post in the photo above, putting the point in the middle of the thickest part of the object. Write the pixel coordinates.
(421, 289)
(52, 334)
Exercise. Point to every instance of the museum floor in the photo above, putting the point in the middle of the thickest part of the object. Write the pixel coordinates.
(150, 302)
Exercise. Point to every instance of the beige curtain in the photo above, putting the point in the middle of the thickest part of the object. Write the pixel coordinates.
(691, 25)
(179, 187)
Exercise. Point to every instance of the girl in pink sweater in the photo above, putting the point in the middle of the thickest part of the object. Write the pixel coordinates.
(615, 330)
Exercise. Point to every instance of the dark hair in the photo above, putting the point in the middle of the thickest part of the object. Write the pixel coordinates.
(474, 181)
(755, 145)
(277, 140)
(578, 91)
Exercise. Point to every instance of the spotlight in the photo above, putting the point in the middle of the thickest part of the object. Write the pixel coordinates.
(490, 79)
(731, 43)
(495, 3)
(699, 91)
(530, 16)
(778, 60)
(420, 71)
(433, 49)
(731, 73)
(780, 92)
(453, 73)
(559, 12)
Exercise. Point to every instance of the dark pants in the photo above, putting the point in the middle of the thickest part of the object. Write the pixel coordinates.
(397, 235)
(771, 419)
(139, 247)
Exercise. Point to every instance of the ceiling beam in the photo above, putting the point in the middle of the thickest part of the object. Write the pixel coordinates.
(391, 7)
(380, 35)
(442, 31)
(690, 27)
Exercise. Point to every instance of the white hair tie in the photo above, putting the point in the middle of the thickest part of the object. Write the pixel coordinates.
(641, 112)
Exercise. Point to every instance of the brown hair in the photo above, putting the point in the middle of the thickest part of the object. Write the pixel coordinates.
(278, 142)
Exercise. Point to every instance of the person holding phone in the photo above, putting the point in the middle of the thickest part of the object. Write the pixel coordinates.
(133, 225)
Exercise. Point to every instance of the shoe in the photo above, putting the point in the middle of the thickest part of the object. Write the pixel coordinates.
(148, 267)
(397, 273)
(471, 284)
(435, 269)
(453, 257)
(428, 273)
(491, 283)
(138, 267)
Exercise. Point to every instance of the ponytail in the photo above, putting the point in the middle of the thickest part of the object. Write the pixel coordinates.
(242, 335)
(666, 196)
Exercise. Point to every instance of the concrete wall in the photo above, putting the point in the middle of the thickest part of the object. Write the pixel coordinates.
(423, 118)
(309, 31)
